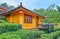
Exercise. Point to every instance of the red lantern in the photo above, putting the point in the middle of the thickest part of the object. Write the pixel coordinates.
(20, 12)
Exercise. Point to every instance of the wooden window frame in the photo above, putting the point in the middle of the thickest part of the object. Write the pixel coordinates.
(27, 18)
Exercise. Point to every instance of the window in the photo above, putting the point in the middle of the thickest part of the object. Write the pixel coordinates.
(27, 19)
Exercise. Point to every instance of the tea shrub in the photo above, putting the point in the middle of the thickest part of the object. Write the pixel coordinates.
(5, 27)
(20, 34)
(52, 35)
(58, 38)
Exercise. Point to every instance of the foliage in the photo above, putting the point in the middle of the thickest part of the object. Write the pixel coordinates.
(37, 34)
(9, 36)
(56, 28)
(2, 18)
(5, 27)
(58, 37)
(29, 34)
(6, 6)
(51, 7)
(52, 35)
(58, 8)
(52, 15)
(25, 34)
(20, 34)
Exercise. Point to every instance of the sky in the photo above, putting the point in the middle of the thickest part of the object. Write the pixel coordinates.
(32, 4)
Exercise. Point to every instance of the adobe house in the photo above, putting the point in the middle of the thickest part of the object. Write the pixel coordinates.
(22, 15)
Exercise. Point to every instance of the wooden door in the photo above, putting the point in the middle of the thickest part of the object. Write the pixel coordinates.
(37, 22)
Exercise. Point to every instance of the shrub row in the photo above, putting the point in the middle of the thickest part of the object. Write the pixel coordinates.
(21, 34)
(28, 34)
(9, 36)
(52, 35)
(5, 27)
(37, 34)
(58, 37)
(56, 28)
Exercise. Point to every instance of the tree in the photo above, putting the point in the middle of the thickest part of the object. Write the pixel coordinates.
(51, 7)
(52, 16)
(58, 8)
(3, 5)
(6, 6)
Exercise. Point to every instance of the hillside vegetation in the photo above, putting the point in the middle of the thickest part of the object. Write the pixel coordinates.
(52, 15)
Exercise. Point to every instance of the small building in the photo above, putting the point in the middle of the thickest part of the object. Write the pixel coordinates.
(22, 15)
(2, 10)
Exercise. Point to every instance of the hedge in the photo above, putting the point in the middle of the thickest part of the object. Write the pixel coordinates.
(20, 34)
(29, 34)
(58, 37)
(52, 35)
(37, 34)
(9, 36)
(5, 27)
(2, 18)
(56, 28)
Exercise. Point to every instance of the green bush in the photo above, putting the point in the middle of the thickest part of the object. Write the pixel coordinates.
(3, 21)
(9, 36)
(26, 34)
(29, 34)
(58, 38)
(2, 18)
(37, 34)
(56, 28)
(53, 35)
(45, 36)
(20, 34)
(5, 27)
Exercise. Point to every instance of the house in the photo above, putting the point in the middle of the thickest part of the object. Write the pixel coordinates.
(2, 10)
(22, 15)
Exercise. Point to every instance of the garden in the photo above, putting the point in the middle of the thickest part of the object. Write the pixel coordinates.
(15, 31)
(19, 33)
